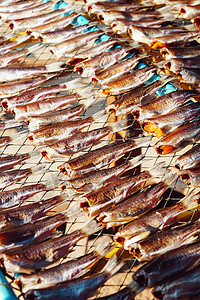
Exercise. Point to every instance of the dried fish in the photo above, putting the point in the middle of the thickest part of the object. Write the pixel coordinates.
(79, 141)
(88, 67)
(126, 103)
(186, 52)
(98, 158)
(58, 131)
(126, 82)
(179, 138)
(166, 123)
(98, 178)
(21, 25)
(189, 159)
(165, 240)
(17, 6)
(175, 64)
(190, 11)
(67, 271)
(127, 293)
(13, 217)
(153, 221)
(46, 253)
(189, 75)
(10, 74)
(163, 104)
(53, 25)
(66, 48)
(95, 8)
(191, 177)
(133, 207)
(182, 287)
(97, 201)
(82, 288)
(12, 44)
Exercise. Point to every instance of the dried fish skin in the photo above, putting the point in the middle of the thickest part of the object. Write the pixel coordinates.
(163, 241)
(173, 52)
(190, 11)
(163, 104)
(189, 159)
(130, 81)
(191, 177)
(178, 138)
(133, 207)
(8, 162)
(166, 123)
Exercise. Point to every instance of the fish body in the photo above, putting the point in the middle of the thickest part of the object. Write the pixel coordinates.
(179, 138)
(186, 52)
(189, 159)
(190, 11)
(191, 177)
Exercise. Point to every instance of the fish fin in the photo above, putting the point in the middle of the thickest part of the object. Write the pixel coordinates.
(40, 169)
(11, 123)
(34, 48)
(119, 125)
(87, 92)
(35, 154)
(91, 227)
(138, 160)
(21, 39)
(100, 116)
(143, 141)
(159, 170)
(73, 212)
(87, 102)
(135, 288)
(75, 83)
(55, 67)
(170, 178)
(20, 135)
(104, 246)
(188, 201)
(52, 182)
(112, 266)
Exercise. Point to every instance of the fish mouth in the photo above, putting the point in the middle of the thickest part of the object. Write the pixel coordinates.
(44, 153)
(164, 149)
(11, 25)
(168, 64)
(30, 137)
(177, 166)
(79, 70)
(5, 105)
(136, 114)
(130, 31)
(85, 206)
(120, 240)
(182, 10)
(101, 18)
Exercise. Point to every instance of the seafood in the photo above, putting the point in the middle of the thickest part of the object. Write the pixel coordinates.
(98, 200)
(100, 157)
(6, 47)
(191, 177)
(62, 130)
(163, 241)
(10, 74)
(8, 178)
(189, 75)
(127, 293)
(153, 221)
(21, 25)
(174, 39)
(127, 102)
(168, 264)
(53, 25)
(79, 141)
(8, 124)
(88, 67)
(10, 57)
(19, 195)
(46, 253)
(178, 138)
(186, 285)
(166, 123)
(63, 272)
(66, 48)
(190, 11)
(82, 288)
(28, 213)
(38, 122)
(14, 88)
(189, 159)
(95, 8)
(17, 6)
(186, 52)
(107, 17)
(58, 36)
(196, 22)
(25, 12)
(103, 76)
(31, 232)
(163, 104)
(133, 207)
(146, 34)
(32, 96)
(126, 82)
(91, 52)
(97, 178)
(175, 64)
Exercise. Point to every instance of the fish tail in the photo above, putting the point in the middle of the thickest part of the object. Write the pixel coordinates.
(58, 66)
(159, 170)
(73, 212)
(104, 246)
(137, 161)
(100, 116)
(87, 102)
(21, 39)
(112, 266)
(91, 227)
(166, 14)
(52, 183)
(11, 123)
(40, 169)
(143, 141)
(135, 288)
(20, 135)
(87, 92)
(119, 125)
(170, 178)
(189, 200)
(34, 48)
(35, 154)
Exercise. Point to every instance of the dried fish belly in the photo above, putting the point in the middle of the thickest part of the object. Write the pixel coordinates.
(189, 159)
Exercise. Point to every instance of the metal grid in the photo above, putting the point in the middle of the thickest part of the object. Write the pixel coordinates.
(84, 246)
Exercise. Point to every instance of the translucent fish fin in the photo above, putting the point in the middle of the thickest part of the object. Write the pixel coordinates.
(87, 92)
(11, 123)
(100, 116)
(138, 160)
(159, 170)
(20, 135)
(21, 39)
(55, 67)
(119, 125)
(143, 141)
(112, 266)
(170, 178)
(74, 212)
(87, 102)
(190, 200)
(91, 227)
(104, 246)
(40, 169)
(34, 48)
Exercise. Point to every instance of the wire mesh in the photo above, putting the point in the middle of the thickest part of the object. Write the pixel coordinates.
(42, 57)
